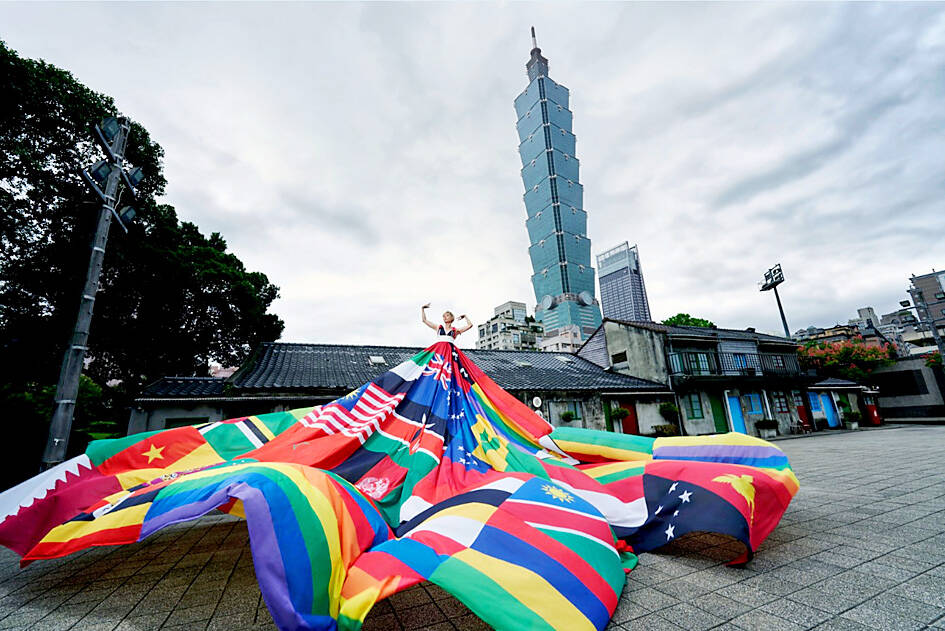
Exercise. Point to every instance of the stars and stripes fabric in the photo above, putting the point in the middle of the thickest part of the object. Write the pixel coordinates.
(429, 472)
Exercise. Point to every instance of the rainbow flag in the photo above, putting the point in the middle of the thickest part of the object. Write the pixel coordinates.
(429, 472)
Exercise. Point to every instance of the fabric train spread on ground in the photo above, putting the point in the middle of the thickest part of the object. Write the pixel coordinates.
(430, 472)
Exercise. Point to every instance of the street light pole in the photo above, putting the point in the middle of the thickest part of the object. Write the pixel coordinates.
(773, 278)
(67, 389)
(787, 333)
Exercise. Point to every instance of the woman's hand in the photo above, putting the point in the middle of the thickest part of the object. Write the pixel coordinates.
(426, 306)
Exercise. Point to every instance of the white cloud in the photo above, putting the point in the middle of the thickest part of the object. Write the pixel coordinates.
(364, 156)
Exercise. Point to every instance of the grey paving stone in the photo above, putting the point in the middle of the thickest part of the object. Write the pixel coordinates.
(652, 622)
(924, 588)
(858, 548)
(762, 621)
(721, 606)
(913, 609)
(689, 617)
(796, 612)
(871, 615)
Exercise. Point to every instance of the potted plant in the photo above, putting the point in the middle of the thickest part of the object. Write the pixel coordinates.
(767, 427)
(567, 416)
(665, 430)
(617, 415)
(851, 420)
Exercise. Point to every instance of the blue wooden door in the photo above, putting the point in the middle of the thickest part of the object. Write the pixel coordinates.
(735, 409)
(829, 410)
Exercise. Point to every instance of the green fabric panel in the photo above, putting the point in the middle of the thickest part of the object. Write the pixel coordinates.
(628, 560)
(278, 422)
(99, 451)
(422, 358)
(228, 441)
(603, 561)
(630, 442)
(623, 475)
(484, 597)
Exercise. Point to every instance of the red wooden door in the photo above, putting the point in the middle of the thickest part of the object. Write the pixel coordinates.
(801, 410)
(630, 425)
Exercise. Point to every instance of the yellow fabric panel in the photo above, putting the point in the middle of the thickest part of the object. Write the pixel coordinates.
(117, 519)
(530, 589)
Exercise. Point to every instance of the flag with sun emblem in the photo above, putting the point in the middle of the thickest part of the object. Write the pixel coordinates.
(429, 472)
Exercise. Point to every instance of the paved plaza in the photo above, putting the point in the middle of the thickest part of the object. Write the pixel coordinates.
(862, 546)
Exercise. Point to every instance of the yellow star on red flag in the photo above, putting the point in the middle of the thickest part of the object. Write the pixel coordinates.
(154, 452)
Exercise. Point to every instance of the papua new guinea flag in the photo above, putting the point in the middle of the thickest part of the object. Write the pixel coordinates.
(428, 472)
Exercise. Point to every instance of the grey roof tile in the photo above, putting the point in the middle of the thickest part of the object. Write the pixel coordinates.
(285, 366)
(185, 387)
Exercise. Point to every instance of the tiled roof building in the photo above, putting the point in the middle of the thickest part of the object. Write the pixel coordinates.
(281, 376)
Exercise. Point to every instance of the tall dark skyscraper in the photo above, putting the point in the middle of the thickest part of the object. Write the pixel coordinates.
(622, 292)
(560, 251)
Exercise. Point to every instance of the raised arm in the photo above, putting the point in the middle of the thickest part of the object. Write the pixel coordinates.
(468, 326)
(423, 316)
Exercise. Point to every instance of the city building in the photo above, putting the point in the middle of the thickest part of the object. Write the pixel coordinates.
(282, 376)
(723, 379)
(622, 292)
(564, 339)
(866, 325)
(510, 329)
(866, 319)
(560, 252)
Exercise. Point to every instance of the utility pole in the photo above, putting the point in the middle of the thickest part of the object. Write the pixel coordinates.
(925, 316)
(773, 278)
(112, 134)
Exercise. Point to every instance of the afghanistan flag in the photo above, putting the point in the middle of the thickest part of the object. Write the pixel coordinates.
(429, 472)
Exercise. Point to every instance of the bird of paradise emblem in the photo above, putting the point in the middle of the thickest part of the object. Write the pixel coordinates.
(744, 487)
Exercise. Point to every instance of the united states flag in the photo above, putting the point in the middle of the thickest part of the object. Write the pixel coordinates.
(370, 409)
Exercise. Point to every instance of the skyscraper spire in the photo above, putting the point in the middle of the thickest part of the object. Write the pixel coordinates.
(537, 66)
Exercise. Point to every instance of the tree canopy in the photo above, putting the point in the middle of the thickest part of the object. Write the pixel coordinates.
(851, 359)
(684, 319)
(172, 300)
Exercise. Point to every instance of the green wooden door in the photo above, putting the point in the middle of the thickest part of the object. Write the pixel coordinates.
(718, 413)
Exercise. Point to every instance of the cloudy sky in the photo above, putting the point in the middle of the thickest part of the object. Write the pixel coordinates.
(364, 156)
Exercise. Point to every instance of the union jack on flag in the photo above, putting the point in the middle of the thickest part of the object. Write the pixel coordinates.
(441, 368)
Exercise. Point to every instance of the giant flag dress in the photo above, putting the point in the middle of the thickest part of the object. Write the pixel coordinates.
(431, 472)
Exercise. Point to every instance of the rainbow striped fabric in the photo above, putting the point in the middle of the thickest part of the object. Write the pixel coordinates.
(429, 472)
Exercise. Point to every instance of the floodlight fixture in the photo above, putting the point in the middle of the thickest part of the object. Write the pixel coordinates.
(110, 128)
(773, 278)
(127, 214)
(100, 171)
(135, 176)
(904, 303)
(108, 135)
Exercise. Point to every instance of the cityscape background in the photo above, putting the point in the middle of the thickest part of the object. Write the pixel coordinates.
(719, 139)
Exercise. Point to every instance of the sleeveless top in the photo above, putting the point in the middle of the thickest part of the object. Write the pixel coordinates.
(451, 333)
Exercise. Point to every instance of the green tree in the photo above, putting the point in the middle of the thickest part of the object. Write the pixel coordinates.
(851, 359)
(684, 319)
(172, 300)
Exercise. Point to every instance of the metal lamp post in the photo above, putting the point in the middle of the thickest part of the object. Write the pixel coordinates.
(105, 178)
(773, 278)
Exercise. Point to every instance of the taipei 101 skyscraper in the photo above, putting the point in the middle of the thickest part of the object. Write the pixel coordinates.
(560, 251)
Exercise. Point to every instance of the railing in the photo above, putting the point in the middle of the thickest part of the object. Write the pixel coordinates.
(711, 363)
